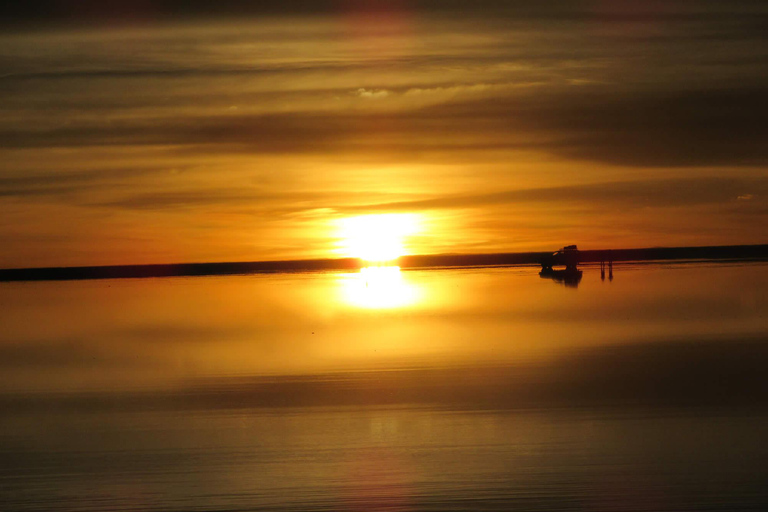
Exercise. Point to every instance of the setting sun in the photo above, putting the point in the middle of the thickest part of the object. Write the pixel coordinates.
(377, 238)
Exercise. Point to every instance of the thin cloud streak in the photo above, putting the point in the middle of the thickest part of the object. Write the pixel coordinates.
(637, 194)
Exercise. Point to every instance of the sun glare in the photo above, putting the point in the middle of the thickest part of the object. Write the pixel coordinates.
(379, 288)
(377, 238)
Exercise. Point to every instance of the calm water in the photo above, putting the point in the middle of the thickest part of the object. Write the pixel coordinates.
(472, 389)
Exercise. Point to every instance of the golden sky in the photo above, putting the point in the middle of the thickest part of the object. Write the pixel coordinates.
(240, 134)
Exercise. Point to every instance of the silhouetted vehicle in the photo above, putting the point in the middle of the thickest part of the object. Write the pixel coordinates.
(568, 257)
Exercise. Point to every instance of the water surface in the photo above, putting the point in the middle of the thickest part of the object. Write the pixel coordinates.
(452, 389)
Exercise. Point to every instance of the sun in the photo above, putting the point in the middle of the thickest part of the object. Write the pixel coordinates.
(377, 238)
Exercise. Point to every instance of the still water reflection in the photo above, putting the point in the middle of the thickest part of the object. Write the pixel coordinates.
(454, 389)
(380, 287)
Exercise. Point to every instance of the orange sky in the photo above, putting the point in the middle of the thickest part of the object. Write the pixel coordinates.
(502, 129)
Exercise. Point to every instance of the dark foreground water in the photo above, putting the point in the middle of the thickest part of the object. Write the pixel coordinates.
(474, 389)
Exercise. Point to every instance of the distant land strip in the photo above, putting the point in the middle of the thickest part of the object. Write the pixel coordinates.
(740, 252)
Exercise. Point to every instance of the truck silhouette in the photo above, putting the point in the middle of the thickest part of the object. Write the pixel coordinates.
(568, 257)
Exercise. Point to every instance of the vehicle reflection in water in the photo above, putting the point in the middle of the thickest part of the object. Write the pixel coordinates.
(379, 287)
(569, 278)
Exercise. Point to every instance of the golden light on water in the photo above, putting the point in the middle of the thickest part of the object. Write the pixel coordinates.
(379, 288)
(377, 238)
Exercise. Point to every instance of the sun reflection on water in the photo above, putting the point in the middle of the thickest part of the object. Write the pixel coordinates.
(381, 287)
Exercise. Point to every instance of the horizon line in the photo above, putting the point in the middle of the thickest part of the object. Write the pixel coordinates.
(752, 251)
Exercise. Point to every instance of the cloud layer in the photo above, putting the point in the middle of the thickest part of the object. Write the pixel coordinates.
(158, 130)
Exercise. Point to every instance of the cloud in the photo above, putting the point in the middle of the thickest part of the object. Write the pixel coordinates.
(636, 128)
(629, 194)
(63, 183)
(644, 129)
(486, 98)
(371, 93)
(124, 12)
(270, 202)
(470, 86)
